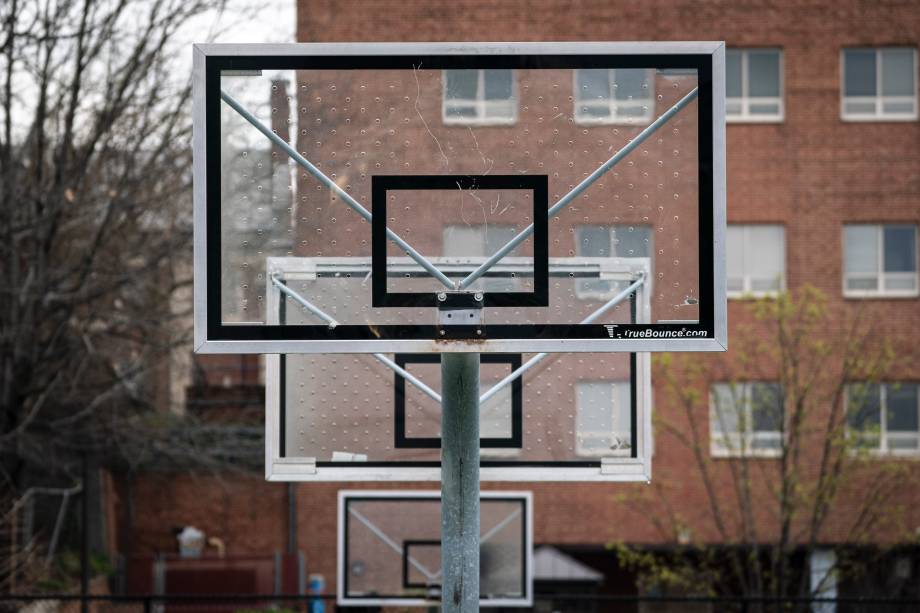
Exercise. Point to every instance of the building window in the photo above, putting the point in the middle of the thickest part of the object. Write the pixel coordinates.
(479, 97)
(754, 85)
(756, 260)
(604, 418)
(481, 241)
(880, 260)
(746, 419)
(879, 83)
(495, 419)
(618, 241)
(885, 418)
(622, 95)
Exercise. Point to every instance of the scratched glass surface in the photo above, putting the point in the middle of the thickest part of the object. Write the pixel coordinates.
(346, 126)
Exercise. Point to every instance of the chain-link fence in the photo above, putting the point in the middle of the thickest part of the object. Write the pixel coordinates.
(543, 603)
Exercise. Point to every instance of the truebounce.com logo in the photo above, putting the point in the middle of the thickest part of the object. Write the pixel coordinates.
(615, 332)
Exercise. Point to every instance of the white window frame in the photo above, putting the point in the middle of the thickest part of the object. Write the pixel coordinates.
(741, 444)
(747, 279)
(646, 105)
(480, 104)
(589, 294)
(883, 435)
(580, 435)
(881, 291)
(878, 99)
(745, 116)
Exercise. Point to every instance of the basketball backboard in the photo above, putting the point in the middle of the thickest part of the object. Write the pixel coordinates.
(420, 178)
(389, 548)
(549, 417)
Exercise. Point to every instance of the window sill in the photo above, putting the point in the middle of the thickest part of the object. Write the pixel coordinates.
(639, 122)
(877, 454)
(753, 119)
(875, 295)
(479, 122)
(750, 296)
(725, 454)
(878, 118)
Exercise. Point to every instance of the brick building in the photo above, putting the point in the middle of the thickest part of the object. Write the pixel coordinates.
(823, 191)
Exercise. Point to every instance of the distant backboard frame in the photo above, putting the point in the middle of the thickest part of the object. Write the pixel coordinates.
(705, 332)
(403, 564)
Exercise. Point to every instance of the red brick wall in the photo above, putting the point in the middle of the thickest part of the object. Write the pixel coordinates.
(812, 173)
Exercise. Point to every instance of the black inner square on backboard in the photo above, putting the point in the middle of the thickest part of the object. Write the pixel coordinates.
(407, 555)
(515, 441)
(537, 184)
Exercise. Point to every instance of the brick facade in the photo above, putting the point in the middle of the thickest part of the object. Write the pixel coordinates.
(811, 172)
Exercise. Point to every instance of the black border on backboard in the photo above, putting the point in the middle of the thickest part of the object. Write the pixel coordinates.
(406, 547)
(216, 330)
(402, 441)
(580, 463)
(537, 184)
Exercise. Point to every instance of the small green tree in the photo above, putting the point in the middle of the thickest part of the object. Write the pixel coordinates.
(774, 450)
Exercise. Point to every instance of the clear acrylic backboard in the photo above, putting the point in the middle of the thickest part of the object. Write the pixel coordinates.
(389, 548)
(543, 416)
(414, 176)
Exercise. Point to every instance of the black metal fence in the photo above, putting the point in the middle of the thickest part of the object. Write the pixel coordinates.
(543, 603)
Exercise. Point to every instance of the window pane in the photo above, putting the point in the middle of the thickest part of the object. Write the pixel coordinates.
(596, 111)
(905, 107)
(593, 84)
(765, 257)
(594, 241)
(631, 241)
(735, 249)
(863, 283)
(498, 84)
(902, 408)
(497, 237)
(461, 84)
(861, 248)
(900, 249)
(863, 407)
(764, 109)
(898, 72)
(763, 73)
(901, 281)
(504, 109)
(860, 108)
(733, 73)
(595, 407)
(495, 413)
(766, 407)
(463, 241)
(724, 418)
(622, 409)
(859, 72)
(461, 111)
(628, 84)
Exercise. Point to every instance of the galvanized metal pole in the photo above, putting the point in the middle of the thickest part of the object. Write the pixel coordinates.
(460, 482)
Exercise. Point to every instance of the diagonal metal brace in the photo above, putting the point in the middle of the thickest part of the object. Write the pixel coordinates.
(332, 185)
(581, 187)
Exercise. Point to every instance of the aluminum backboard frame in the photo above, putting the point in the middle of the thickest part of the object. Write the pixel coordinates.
(212, 336)
(347, 496)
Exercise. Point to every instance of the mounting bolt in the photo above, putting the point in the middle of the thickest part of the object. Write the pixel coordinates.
(443, 333)
(442, 297)
(478, 296)
(479, 332)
